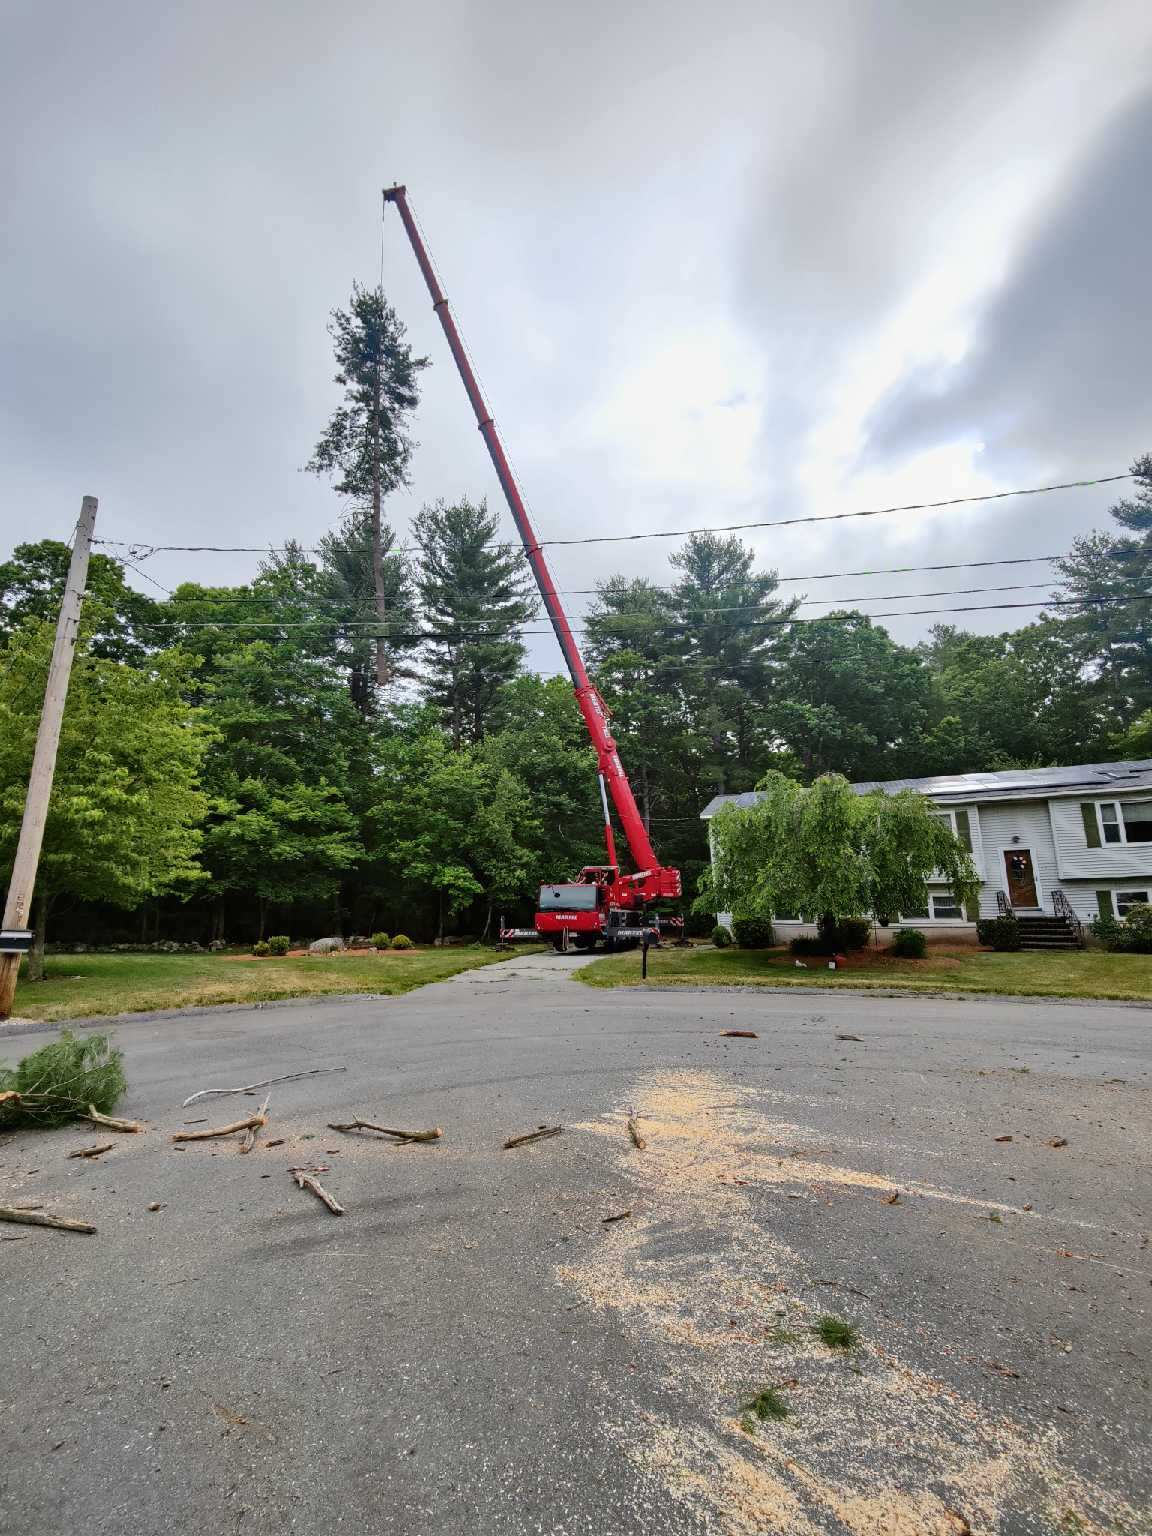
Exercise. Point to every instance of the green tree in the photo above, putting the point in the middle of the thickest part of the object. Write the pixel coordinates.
(124, 818)
(1107, 577)
(474, 592)
(32, 585)
(828, 852)
(366, 446)
(851, 700)
(451, 822)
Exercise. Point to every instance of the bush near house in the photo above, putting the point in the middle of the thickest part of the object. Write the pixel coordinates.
(753, 933)
(261, 948)
(402, 941)
(852, 932)
(1132, 936)
(721, 936)
(1002, 933)
(380, 941)
(909, 944)
(279, 944)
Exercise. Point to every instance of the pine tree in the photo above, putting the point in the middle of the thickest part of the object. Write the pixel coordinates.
(366, 446)
(474, 593)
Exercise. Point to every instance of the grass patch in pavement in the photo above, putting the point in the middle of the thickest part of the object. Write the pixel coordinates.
(78, 986)
(836, 1333)
(769, 1403)
(1063, 973)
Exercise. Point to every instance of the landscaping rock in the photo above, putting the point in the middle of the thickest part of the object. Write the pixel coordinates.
(217, 944)
(325, 946)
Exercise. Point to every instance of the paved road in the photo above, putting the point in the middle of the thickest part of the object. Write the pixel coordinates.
(472, 1348)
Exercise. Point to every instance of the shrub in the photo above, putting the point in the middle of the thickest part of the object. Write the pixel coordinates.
(852, 932)
(909, 944)
(811, 944)
(381, 940)
(753, 932)
(1001, 932)
(697, 925)
(402, 941)
(261, 948)
(60, 1081)
(279, 944)
(1133, 936)
(721, 936)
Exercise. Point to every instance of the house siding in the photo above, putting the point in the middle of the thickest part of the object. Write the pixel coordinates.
(1111, 861)
(1028, 822)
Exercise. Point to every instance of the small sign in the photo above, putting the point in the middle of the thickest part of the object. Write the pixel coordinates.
(15, 941)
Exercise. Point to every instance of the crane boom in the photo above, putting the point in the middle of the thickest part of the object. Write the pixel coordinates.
(651, 879)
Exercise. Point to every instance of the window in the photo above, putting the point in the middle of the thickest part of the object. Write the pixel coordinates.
(1125, 900)
(946, 906)
(786, 917)
(918, 916)
(570, 898)
(1126, 821)
(948, 818)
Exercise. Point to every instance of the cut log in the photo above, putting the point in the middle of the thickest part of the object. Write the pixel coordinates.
(369, 1125)
(42, 1219)
(289, 1077)
(306, 1181)
(541, 1135)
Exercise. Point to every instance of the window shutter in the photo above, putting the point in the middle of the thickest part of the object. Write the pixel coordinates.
(963, 830)
(1091, 827)
(1104, 903)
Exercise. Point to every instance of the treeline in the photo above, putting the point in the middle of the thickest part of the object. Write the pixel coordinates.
(351, 740)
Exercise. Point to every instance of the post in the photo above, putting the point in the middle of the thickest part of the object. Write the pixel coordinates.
(644, 956)
(23, 882)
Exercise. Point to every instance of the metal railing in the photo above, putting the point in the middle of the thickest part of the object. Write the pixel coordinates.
(1062, 907)
(1003, 905)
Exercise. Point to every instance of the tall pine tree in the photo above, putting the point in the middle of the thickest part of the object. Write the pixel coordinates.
(474, 592)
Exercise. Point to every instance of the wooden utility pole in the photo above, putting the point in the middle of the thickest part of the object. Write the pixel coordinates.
(23, 882)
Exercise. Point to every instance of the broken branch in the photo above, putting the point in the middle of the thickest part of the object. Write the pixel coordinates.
(256, 1120)
(306, 1181)
(370, 1125)
(634, 1131)
(289, 1077)
(42, 1219)
(91, 1151)
(739, 1034)
(541, 1135)
(248, 1140)
(110, 1122)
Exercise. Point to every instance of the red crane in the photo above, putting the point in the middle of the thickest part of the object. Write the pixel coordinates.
(602, 903)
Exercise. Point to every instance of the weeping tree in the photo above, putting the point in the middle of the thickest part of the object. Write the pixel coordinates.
(824, 851)
(366, 448)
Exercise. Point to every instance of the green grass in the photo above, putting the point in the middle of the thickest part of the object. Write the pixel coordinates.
(1067, 973)
(79, 986)
(836, 1333)
(769, 1403)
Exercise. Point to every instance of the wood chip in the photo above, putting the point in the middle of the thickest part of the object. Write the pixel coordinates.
(305, 1179)
(289, 1077)
(739, 1034)
(1001, 1138)
(638, 1141)
(92, 1151)
(893, 1199)
(1057, 1141)
(42, 1219)
(1003, 1370)
(369, 1125)
(619, 1216)
(857, 1038)
(541, 1135)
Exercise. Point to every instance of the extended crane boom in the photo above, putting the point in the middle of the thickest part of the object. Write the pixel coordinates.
(652, 880)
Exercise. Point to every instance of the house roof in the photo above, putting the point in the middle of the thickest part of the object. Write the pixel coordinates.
(1007, 784)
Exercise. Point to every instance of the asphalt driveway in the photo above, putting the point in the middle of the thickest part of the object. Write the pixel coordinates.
(472, 1347)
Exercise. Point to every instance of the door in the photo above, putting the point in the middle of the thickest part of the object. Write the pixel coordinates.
(1021, 877)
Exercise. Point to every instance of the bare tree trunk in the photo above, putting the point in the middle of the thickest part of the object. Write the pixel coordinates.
(40, 923)
(262, 905)
(377, 542)
(440, 919)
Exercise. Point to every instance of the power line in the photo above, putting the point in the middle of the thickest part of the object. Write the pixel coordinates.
(835, 517)
(772, 623)
(145, 549)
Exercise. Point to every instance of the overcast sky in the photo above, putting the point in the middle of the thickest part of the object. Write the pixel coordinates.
(716, 263)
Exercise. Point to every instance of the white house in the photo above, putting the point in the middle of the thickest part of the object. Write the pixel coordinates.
(1056, 846)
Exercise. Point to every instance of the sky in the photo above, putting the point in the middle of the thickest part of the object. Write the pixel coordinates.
(716, 264)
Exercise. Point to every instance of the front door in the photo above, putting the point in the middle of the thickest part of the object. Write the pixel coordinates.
(1021, 877)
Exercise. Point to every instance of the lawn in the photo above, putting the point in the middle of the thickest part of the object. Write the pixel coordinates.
(1069, 973)
(77, 986)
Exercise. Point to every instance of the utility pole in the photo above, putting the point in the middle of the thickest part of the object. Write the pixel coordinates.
(15, 939)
